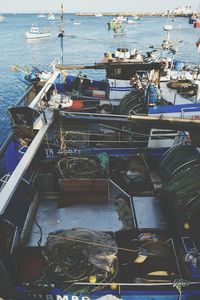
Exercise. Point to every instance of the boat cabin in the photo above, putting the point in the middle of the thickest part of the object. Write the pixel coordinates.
(34, 29)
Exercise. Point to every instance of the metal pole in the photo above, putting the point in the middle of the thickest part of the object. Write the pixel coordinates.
(61, 33)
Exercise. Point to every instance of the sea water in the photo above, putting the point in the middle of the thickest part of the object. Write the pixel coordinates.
(86, 39)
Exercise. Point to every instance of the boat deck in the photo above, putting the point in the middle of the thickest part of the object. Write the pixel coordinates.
(172, 95)
(96, 216)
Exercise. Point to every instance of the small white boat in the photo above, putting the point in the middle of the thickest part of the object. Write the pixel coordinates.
(99, 15)
(131, 21)
(77, 23)
(51, 17)
(2, 18)
(36, 33)
(136, 18)
(41, 16)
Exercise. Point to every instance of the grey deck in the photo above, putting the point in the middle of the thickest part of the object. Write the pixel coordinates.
(101, 216)
(149, 214)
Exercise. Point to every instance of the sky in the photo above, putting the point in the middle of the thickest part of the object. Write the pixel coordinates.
(17, 6)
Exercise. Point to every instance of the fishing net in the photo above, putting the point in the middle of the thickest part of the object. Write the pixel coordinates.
(180, 169)
(184, 87)
(177, 157)
(80, 254)
(79, 167)
(130, 173)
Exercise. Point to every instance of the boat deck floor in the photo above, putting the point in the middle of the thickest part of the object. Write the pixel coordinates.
(172, 95)
(97, 216)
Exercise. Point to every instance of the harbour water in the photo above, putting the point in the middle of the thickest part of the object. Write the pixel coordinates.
(87, 38)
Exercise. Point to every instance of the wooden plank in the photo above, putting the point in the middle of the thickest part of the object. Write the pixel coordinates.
(75, 67)
(113, 65)
(88, 185)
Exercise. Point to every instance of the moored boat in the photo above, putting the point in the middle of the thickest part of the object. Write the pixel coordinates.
(192, 19)
(98, 15)
(41, 16)
(36, 33)
(51, 17)
(100, 203)
(72, 207)
(134, 87)
(197, 23)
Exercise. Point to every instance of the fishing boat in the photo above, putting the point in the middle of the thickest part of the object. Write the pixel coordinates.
(73, 199)
(130, 71)
(36, 33)
(118, 64)
(98, 204)
(130, 83)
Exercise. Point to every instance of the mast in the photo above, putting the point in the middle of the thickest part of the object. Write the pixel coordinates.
(61, 34)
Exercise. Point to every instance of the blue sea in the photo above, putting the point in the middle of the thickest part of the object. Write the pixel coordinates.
(84, 44)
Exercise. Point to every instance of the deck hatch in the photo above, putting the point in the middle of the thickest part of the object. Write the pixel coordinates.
(154, 219)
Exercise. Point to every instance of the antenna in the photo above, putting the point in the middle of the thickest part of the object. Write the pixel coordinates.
(61, 34)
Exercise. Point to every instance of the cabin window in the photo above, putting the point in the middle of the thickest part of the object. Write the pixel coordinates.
(114, 73)
(118, 72)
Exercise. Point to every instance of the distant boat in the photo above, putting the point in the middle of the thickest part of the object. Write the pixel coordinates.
(41, 16)
(36, 33)
(77, 23)
(132, 21)
(99, 15)
(114, 24)
(2, 18)
(196, 24)
(51, 17)
(192, 19)
(136, 18)
(121, 19)
(120, 31)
